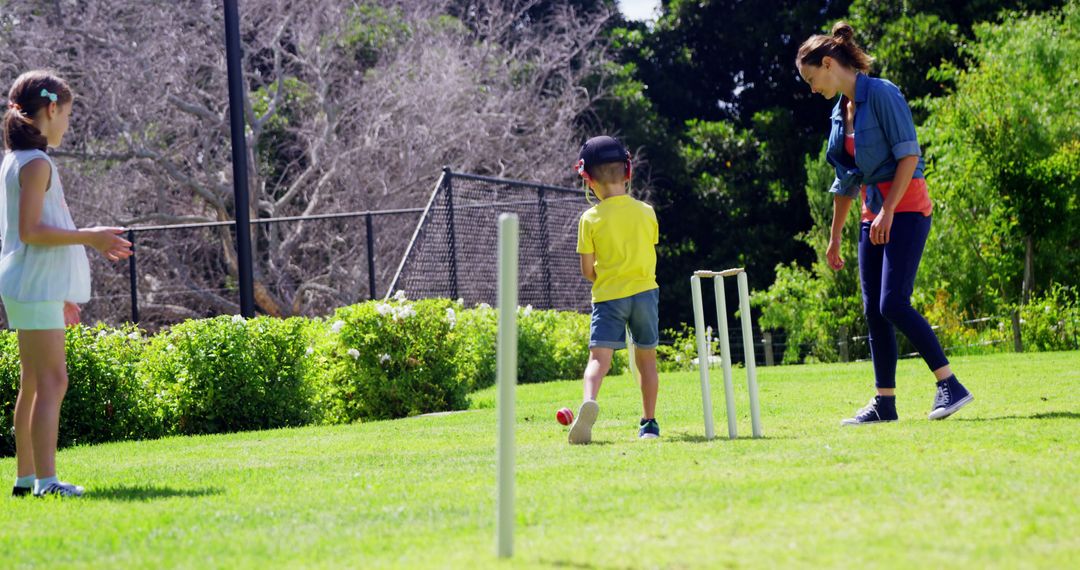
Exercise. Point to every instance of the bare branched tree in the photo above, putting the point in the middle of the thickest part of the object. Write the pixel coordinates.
(351, 106)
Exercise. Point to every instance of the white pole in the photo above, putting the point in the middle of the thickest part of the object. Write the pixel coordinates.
(748, 348)
(506, 371)
(725, 353)
(703, 355)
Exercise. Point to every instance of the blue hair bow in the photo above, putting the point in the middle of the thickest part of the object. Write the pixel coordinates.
(51, 96)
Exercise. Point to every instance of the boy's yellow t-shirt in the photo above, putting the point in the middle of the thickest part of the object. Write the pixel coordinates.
(623, 234)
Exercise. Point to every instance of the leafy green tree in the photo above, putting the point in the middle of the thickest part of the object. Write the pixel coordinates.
(813, 305)
(1004, 150)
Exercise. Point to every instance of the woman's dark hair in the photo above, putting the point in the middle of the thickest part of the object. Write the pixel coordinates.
(840, 46)
(31, 92)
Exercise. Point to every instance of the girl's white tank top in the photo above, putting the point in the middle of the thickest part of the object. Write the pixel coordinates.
(30, 273)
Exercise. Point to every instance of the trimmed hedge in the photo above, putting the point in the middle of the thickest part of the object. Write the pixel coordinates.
(104, 401)
(371, 361)
(229, 374)
(391, 360)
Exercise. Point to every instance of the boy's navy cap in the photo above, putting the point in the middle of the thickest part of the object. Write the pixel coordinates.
(602, 150)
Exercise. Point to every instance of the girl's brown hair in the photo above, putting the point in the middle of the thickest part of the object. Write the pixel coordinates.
(31, 92)
(840, 46)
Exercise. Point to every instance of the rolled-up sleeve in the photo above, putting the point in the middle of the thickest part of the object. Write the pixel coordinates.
(850, 191)
(894, 116)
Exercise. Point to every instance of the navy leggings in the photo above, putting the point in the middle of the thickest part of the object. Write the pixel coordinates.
(888, 273)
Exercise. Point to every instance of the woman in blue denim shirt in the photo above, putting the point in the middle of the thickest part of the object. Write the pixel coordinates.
(874, 149)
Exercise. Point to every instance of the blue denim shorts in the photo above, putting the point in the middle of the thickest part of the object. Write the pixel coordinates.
(610, 320)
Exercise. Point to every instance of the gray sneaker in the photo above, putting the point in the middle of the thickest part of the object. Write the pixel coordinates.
(60, 489)
(581, 431)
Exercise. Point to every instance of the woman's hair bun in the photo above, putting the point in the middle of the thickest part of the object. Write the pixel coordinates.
(842, 31)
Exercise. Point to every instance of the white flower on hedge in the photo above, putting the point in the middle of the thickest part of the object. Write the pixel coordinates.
(483, 306)
(102, 333)
(451, 317)
(399, 296)
(133, 336)
(337, 326)
(404, 312)
(309, 351)
(354, 353)
(238, 318)
(461, 301)
(384, 309)
(384, 358)
(527, 311)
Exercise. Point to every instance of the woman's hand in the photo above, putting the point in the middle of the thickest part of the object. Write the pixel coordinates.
(71, 314)
(107, 241)
(832, 255)
(881, 226)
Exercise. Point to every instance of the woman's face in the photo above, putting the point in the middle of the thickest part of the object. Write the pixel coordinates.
(821, 78)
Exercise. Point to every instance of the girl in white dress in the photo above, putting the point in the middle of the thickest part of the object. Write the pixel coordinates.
(44, 272)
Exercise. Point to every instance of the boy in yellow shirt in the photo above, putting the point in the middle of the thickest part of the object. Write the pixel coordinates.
(616, 241)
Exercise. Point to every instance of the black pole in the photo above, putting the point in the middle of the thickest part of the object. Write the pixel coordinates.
(448, 180)
(545, 261)
(239, 158)
(134, 281)
(370, 257)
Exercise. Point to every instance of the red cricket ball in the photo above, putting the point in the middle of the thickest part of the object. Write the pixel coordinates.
(565, 416)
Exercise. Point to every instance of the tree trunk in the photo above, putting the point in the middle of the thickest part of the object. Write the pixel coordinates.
(1029, 256)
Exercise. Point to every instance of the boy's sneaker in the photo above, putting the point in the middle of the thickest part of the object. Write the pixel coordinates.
(581, 431)
(17, 491)
(648, 429)
(60, 489)
(881, 409)
(951, 396)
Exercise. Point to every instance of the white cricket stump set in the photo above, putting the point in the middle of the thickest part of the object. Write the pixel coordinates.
(725, 348)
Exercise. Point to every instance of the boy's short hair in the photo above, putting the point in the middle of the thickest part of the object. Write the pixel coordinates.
(608, 173)
(605, 159)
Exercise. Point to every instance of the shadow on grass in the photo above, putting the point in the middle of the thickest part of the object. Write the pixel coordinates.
(580, 565)
(1039, 416)
(146, 493)
(594, 443)
(695, 438)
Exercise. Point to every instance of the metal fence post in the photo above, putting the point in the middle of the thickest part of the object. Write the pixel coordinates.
(545, 265)
(766, 339)
(845, 354)
(453, 238)
(370, 256)
(133, 276)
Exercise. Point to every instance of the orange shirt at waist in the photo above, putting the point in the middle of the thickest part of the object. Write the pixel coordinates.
(916, 199)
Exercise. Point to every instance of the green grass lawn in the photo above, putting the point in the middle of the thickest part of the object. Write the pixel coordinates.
(995, 486)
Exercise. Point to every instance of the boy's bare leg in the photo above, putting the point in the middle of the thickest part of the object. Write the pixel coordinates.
(650, 380)
(599, 364)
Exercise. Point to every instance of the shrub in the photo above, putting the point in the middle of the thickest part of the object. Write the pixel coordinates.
(552, 345)
(392, 359)
(1052, 321)
(477, 329)
(9, 390)
(679, 355)
(230, 374)
(104, 400)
